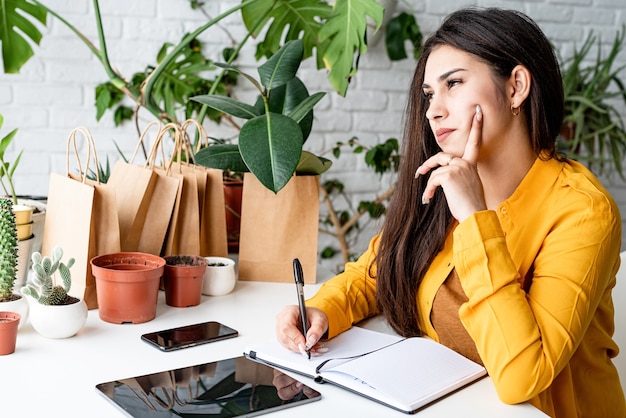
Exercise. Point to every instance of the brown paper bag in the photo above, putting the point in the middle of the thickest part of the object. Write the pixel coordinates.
(82, 219)
(134, 186)
(213, 240)
(164, 196)
(183, 234)
(276, 228)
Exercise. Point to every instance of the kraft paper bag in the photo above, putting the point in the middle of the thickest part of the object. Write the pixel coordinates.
(213, 239)
(134, 186)
(164, 196)
(276, 228)
(81, 219)
(183, 234)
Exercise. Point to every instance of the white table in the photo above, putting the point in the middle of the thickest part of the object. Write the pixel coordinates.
(46, 377)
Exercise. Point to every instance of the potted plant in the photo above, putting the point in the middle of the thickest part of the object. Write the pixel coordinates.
(127, 285)
(277, 125)
(9, 324)
(183, 279)
(220, 277)
(593, 129)
(54, 313)
(9, 300)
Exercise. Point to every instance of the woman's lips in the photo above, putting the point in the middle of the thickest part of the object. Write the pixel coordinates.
(443, 133)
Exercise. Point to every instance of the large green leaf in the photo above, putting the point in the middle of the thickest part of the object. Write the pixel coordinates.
(287, 98)
(221, 156)
(271, 145)
(312, 164)
(227, 105)
(343, 39)
(15, 26)
(290, 19)
(282, 66)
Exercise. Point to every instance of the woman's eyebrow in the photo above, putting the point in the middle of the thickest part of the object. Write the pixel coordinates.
(443, 76)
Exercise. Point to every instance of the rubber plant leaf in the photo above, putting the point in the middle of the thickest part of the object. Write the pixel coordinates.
(271, 145)
(282, 66)
(16, 27)
(221, 156)
(345, 33)
(312, 164)
(288, 20)
(227, 105)
(287, 98)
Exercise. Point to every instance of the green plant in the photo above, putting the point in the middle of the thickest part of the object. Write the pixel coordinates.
(8, 250)
(345, 221)
(45, 289)
(277, 125)
(7, 169)
(593, 129)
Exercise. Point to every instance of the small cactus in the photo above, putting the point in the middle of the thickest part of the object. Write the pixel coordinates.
(47, 291)
(8, 249)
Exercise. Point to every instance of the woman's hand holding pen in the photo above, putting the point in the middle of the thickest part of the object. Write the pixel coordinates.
(289, 332)
(457, 176)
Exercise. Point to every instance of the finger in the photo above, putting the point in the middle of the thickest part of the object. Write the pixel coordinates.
(440, 159)
(287, 331)
(475, 137)
(429, 191)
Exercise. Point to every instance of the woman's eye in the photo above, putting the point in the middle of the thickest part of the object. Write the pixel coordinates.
(427, 95)
(453, 82)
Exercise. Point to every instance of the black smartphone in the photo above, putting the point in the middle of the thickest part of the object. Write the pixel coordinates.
(189, 335)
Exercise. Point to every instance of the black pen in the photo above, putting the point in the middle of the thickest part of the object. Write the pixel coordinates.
(299, 278)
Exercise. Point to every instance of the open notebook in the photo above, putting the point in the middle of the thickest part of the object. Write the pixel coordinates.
(406, 374)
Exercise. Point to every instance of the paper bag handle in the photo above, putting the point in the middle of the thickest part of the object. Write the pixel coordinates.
(143, 136)
(91, 148)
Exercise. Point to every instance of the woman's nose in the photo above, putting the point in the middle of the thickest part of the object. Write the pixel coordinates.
(435, 109)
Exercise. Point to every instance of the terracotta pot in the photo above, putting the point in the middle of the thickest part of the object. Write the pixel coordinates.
(183, 279)
(9, 322)
(58, 321)
(233, 192)
(127, 285)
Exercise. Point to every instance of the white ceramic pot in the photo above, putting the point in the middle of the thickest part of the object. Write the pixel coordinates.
(20, 306)
(57, 321)
(220, 277)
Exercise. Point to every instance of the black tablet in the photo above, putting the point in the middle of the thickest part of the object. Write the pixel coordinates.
(189, 335)
(235, 387)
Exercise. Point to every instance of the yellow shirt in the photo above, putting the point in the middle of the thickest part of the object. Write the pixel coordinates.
(558, 236)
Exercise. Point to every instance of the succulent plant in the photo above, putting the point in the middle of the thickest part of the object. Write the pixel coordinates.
(45, 289)
(8, 249)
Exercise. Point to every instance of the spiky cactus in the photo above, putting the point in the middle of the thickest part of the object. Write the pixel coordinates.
(8, 249)
(47, 291)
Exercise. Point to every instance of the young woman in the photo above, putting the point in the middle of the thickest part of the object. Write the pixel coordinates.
(493, 244)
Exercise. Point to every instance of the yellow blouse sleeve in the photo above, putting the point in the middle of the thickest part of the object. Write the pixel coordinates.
(526, 339)
(351, 296)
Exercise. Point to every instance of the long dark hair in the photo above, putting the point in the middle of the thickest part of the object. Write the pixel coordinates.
(414, 233)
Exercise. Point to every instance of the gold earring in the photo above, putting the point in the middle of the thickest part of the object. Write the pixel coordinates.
(515, 110)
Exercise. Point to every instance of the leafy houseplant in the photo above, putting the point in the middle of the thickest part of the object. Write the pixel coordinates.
(7, 169)
(593, 130)
(277, 125)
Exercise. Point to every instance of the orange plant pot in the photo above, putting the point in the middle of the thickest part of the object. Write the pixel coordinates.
(9, 322)
(183, 279)
(127, 285)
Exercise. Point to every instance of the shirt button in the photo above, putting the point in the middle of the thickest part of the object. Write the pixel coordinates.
(503, 211)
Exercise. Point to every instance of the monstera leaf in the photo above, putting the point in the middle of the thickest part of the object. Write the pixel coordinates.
(343, 39)
(301, 18)
(16, 25)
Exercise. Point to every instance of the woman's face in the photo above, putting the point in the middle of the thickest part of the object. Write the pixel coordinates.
(454, 83)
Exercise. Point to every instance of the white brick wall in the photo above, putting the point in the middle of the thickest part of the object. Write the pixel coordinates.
(55, 90)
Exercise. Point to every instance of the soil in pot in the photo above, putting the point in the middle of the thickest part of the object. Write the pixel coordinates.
(9, 322)
(183, 279)
(127, 285)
